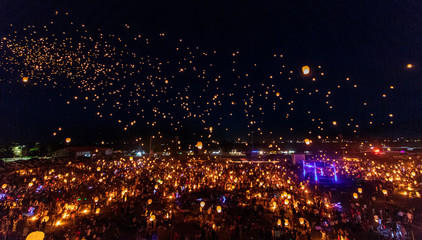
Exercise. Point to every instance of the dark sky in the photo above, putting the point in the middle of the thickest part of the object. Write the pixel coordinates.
(369, 41)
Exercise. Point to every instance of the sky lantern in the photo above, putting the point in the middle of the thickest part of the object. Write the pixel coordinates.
(199, 145)
(202, 204)
(355, 195)
(384, 192)
(25, 79)
(68, 140)
(98, 169)
(360, 190)
(219, 209)
(152, 218)
(211, 129)
(307, 141)
(306, 70)
(301, 221)
(279, 222)
(37, 235)
(277, 94)
(149, 201)
(334, 123)
(409, 65)
(4, 186)
(97, 211)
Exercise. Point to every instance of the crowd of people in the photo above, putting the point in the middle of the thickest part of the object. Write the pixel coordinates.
(152, 198)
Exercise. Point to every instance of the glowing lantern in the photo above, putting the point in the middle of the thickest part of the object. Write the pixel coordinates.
(277, 94)
(279, 222)
(98, 169)
(219, 209)
(68, 140)
(4, 186)
(96, 199)
(202, 204)
(306, 70)
(38, 235)
(25, 79)
(131, 158)
(301, 221)
(30, 184)
(199, 145)
(210, 129)
(409, 65)
(307, 141)
(286, 201)
(45, 218)
(355, 195)
(360, 190)
(286, 222)
(97, 211)
(334, 123)
(384, 192)
(149, 201)
(152, 218)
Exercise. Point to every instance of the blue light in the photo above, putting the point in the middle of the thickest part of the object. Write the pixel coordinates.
(335, 173)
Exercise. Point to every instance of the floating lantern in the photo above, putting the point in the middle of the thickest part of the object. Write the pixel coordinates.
(68, 140)
(149, 201)
(4, 186)
(286, 201)
(98, 169)
(202, 204)
(307, 141)
(360, 190)
(97, 211)
(279, 222)
(152, 218)
(96, 199)
(306, 70)
(219, 209)
(355, 195)
(301, 221)
(199, 145)
(38, 235)
(25, 79)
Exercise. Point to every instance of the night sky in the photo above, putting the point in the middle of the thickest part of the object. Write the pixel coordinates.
(362, 48)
